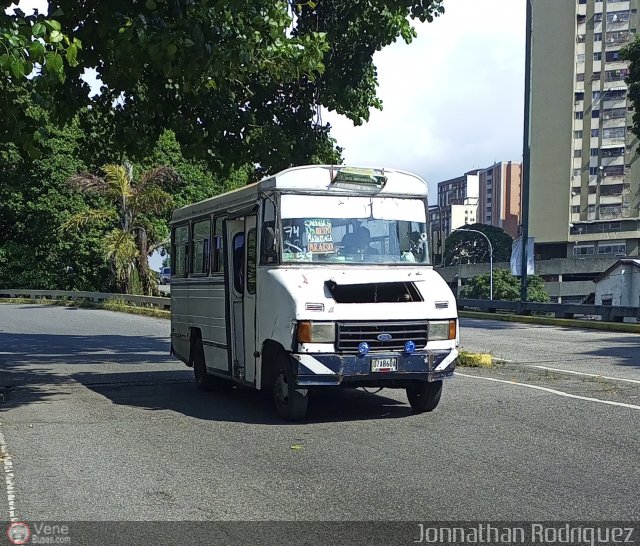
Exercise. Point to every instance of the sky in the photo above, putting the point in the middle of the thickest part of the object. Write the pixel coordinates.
(453, 99)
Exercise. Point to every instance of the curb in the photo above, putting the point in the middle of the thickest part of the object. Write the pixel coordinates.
(551, 321)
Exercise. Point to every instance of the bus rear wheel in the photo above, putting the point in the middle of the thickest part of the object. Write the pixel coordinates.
(291, 402)
(424, 396)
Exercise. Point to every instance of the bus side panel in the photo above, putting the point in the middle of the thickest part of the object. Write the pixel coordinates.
(180, 321)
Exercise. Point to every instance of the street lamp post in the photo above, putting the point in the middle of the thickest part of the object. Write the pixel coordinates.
(490, 257)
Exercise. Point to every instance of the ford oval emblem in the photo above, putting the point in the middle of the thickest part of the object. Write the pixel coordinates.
(384, 337)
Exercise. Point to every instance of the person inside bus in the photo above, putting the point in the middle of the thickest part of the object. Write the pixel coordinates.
(348, 244)
(363, 242)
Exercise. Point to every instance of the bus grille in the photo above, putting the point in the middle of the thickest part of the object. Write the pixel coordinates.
(351, 334)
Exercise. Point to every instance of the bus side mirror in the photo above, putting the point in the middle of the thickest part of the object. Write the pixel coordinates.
(270, 249)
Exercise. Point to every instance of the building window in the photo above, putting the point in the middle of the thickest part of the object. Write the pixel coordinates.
(614, 132)
(576, 172)
(614, 189)
(609, 248)
(615, 113)
(595, 76)
(595, 133)
(580, 77)
(595, 114)
(583, 250)
(593, 171)
(579, 115)
(575, 209)
(577, 134)
(597, 37)
(613, 56)
(613, 170)
(594, 152)
(597, 56)
(577, 153)
(613, 152)
(580, 57)
(616, 75)
(593, 189)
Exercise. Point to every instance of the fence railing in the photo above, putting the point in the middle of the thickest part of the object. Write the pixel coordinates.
(606, 313)
(149, 301)
(561, 310)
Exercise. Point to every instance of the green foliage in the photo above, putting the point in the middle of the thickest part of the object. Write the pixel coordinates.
(505, 287)
(34, 204)
(471, 248)
(631, 53)
(237, 82)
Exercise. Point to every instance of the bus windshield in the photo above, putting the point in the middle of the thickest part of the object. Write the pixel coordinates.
(342, 229)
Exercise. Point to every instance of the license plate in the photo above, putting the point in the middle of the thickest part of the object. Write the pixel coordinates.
(384, 364)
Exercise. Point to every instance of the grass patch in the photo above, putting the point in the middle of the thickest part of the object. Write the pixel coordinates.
(552, 321)
(474, 360)
(114, 304)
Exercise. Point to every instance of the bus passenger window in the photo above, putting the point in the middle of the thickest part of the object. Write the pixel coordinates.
(180, 251)
(238, 262)
(200, 247)
(218, 252)
(269, 253)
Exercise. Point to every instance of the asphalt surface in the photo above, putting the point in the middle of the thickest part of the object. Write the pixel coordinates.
(101, 424)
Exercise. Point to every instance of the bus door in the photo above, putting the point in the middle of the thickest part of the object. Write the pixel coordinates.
(241, 248)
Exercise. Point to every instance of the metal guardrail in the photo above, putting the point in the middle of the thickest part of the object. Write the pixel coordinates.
(560, 310)
(150, 301)
(606, 313)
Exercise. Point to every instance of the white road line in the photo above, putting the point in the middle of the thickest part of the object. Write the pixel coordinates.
(8, 476)
(587, 374)
(552, 391)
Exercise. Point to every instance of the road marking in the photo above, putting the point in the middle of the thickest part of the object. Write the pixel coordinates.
(552, 391)
(587, 374)
(8, 477)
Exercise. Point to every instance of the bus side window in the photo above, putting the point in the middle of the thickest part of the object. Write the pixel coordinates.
(268, 232)
(218, 254)
(238, 262)
(200, 247)
(180, 251)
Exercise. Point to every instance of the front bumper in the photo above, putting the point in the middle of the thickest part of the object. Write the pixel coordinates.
(335, 369)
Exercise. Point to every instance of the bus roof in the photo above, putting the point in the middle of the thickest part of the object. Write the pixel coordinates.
(314, 179)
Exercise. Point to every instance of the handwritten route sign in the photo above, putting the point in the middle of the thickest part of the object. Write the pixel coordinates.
(319, 235)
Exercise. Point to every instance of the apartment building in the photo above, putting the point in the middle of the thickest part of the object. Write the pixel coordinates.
(457, 202)
(585, 177)
(500, 196)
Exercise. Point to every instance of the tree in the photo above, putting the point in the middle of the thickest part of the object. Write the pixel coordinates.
(238, 82)
(505, 287)
(631, 53)
(133, 205)
(34, 203)
(471, 248)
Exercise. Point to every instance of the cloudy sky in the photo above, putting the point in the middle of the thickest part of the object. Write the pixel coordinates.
(453, 99)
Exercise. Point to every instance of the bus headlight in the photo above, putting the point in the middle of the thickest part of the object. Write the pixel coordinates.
(442, 329)
(316, 332)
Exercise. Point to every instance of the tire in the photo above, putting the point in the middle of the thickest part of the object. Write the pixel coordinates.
(424, 396)
(291, 403)
(204, 381)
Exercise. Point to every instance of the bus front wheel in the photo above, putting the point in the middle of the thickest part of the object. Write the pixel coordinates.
(291, 402)
(424, 396)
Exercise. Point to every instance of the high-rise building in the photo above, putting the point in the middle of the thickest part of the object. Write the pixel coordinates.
(500, 193)
(585, 177)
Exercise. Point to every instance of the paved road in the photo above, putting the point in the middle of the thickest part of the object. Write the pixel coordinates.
(586, 351)
(103, 425)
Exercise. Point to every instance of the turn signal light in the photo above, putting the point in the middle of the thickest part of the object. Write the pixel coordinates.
(452, 329)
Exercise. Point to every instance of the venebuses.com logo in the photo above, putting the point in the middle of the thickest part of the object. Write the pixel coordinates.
(18, 533)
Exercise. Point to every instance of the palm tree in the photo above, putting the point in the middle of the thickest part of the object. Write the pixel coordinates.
(134, 204)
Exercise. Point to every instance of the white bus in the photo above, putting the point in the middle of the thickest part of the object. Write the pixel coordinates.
(316, 277)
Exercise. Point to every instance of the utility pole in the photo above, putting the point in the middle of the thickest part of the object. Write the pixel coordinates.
(526, 151)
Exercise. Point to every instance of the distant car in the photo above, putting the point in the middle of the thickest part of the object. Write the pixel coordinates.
(165, 275)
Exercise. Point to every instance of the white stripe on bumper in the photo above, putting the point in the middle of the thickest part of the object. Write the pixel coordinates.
(314, 365)
(448, 360)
